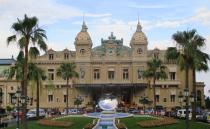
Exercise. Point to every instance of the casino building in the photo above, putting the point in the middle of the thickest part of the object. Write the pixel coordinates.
(109, 68)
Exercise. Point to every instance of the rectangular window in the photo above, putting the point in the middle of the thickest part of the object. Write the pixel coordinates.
(96, 74)
(50, 98)
(125, 74)
(66, 56)
(50, 74)
(173, 98)
(172, 75)
(111, 75)
(64, 98)
(11, 95)
(164, 99)
(51, 56)
(140, 74)
(157, 98)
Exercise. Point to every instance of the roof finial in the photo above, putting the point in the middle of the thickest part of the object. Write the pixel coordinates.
(139, 28)
(84, 27)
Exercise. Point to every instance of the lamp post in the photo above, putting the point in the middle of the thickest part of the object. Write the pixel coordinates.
(180, 99)
(16, 100)
(1, 97)
(19, 99)
(144, 101)
(186, 94)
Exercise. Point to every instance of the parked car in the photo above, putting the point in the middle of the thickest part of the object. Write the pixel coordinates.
(182, 113)
(72, 111)
(15, 113)
(206, 116)
(133, 110)
(32, 113)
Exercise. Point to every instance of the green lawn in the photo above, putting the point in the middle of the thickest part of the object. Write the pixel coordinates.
(79, 123)
(131, 124)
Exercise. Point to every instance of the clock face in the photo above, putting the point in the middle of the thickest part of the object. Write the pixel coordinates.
(110, 51)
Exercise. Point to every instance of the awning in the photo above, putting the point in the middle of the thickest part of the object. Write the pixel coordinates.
(143, 85)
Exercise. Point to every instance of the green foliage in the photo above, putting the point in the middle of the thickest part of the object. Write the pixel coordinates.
(9, 108)
(78, 101)
(207, 102)
(155, 69)
(189, 51)
(67, 71)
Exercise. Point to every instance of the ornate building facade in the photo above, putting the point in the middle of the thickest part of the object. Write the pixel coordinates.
(108, 68)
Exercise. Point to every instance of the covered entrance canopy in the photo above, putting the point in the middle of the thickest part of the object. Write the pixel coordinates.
(123, 92)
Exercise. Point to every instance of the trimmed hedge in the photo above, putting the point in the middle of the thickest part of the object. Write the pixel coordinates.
(157, 122)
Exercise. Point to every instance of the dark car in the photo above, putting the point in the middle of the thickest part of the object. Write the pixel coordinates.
(133, 111)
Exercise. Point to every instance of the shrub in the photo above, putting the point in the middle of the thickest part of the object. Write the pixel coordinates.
(9, 109)
(49, 122)
(157, 122)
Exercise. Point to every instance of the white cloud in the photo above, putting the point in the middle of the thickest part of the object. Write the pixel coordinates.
(161, 44)
(148, 6)
(48, 12)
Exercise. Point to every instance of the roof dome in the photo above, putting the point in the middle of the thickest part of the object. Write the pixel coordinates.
(139, 37)
(83, 36)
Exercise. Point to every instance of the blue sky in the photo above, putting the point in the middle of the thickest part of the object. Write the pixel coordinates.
(62, 20)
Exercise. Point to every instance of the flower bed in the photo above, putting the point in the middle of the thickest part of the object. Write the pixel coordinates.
(120, 125)
(91, 125)
(50, 122)
(157, 122)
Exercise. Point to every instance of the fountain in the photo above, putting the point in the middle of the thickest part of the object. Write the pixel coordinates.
(107, 117)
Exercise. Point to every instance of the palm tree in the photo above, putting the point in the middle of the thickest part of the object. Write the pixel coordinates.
(189, 57)
(155, 70)
(67, 72)
(36, 74)
(27, 32)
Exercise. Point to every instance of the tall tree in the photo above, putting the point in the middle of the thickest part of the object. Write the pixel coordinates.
(189, 56)
(67, 71)
(27, 32)
(36, 74)
(155, 70)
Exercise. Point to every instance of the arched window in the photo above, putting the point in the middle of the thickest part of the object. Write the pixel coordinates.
(82, 51)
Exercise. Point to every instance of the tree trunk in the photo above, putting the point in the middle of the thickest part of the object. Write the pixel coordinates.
(25, 82)
(187, 97)
(67, 96)
(37, 99)
(195, 96)
(154, 90)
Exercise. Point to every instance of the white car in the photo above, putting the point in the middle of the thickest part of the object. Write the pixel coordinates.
(182, 113)
(32, 113)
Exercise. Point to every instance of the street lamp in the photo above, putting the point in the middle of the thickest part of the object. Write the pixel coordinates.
(18, 99)
(144, 101)
(1, 97)
(192, 99)
(180, 98)
(186, 94)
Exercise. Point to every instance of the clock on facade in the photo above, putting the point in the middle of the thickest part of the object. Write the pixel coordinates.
(110, 51)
